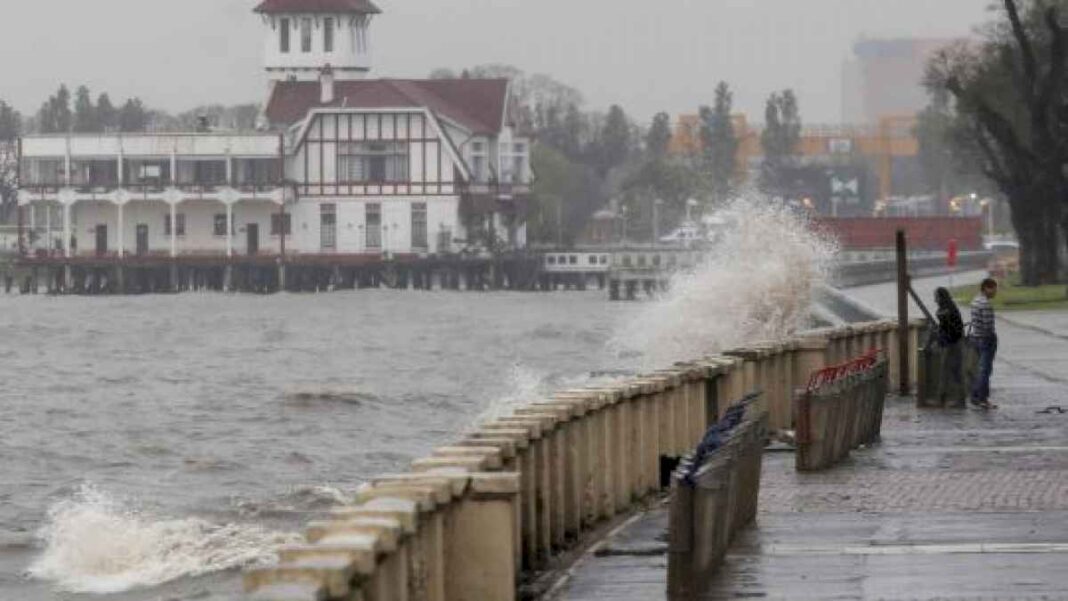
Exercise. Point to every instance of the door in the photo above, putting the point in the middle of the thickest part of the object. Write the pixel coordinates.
(102, 239)
(142, 239)
(253, 234)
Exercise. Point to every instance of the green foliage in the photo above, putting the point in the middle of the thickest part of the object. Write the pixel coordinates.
(85, 117)
(1008, 118)
(55, 114)
(566, 193)
(107, 118)
(10, 123)
(133, 116)
(780, 138)
(659, 136)
(1013, 296)
(720, 143)
(613, 142)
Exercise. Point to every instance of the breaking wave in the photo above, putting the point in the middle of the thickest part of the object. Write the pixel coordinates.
(756, 283)
(95, 544)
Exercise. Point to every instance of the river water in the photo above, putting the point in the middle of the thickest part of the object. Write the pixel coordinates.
(155, 437)
(151, 446)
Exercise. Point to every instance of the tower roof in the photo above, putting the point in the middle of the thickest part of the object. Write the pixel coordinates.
(318, 6)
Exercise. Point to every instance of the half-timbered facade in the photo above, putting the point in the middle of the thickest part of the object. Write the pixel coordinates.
(345, 165)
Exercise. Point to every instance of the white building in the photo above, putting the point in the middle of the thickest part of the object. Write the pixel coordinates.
(346, 165)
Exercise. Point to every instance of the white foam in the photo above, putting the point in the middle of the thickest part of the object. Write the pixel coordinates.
(94, 544)
(755, 284)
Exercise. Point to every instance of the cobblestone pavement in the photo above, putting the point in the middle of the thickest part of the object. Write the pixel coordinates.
(955, 504)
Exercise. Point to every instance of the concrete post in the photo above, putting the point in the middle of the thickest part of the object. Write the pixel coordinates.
(478, 542)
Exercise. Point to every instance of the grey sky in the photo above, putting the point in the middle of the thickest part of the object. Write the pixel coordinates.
(647, 55)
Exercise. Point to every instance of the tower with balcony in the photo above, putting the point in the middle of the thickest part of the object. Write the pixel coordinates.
(302, 37)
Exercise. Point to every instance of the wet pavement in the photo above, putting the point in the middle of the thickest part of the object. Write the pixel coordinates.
(953, 504)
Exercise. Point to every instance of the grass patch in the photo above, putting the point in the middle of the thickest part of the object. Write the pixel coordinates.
(1013, 297)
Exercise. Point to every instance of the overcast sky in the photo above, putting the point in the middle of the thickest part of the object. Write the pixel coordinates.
(647, 55)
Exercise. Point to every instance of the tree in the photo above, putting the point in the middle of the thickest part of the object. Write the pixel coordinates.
(106, 116)
(55, 115)
(133, 117)
(10, 127)
(720, 143)
(565, 194)
(1009, 109)
(780, 138)
(85, 118)
(613, 141)
(658, 138)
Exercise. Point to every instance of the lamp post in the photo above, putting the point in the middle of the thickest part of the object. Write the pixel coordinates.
(988, 206)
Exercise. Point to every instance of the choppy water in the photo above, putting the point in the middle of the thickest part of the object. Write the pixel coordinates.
(142, 439)
(150, 446)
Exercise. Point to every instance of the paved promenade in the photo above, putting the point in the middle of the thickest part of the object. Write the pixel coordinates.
(952, 505)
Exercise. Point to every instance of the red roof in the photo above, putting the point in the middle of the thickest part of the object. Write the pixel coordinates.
(477, 104)
(318, 6)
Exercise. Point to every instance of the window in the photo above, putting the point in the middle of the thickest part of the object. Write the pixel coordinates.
(519, 163)
(373, 162)
(283, 35)
(179, 221)
(328, 34)
(573, 260)
(328, 226)
(360, 40)
(419, 233)
(551, 260)
(305, 35)
(479, 173)
(279, 221)
(373, 217)
(593, 259)
(220, 224)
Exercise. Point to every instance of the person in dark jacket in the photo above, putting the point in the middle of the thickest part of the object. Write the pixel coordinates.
(950, 338)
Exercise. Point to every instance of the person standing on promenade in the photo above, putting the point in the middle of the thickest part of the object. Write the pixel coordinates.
(951, 390)
(985, 338)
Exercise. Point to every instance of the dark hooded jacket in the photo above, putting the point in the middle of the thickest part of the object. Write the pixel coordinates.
(950, 323)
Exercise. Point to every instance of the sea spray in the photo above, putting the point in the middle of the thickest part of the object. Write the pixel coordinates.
(96, 544)
(755, 283)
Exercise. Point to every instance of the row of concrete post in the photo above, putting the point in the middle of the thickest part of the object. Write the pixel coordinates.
(710, 504)
(837, 417)
(469, 521)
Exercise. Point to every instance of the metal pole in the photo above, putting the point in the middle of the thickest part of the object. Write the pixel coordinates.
(905, 386)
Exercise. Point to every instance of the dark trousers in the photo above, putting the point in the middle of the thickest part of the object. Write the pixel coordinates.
(988, 350)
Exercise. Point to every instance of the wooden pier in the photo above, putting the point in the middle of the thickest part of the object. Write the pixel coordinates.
(264, 274)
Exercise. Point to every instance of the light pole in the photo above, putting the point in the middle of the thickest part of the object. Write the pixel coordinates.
(988, 205)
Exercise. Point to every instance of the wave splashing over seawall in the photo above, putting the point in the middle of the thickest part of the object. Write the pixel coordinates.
(756, 283)
(93, 544)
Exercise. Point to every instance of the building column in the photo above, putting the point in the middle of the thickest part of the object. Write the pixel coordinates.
(66, 230)
(174, 230)
(229, 229)
(120, 236)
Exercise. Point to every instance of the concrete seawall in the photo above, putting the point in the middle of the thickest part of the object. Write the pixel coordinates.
(486, 513)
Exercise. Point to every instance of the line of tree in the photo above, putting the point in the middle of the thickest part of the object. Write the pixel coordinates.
(80, 113)
(586, 160)
(1001, 105)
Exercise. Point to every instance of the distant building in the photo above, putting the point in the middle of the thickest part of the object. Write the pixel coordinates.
(345, 165)
(885, 78)
(841, 170)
